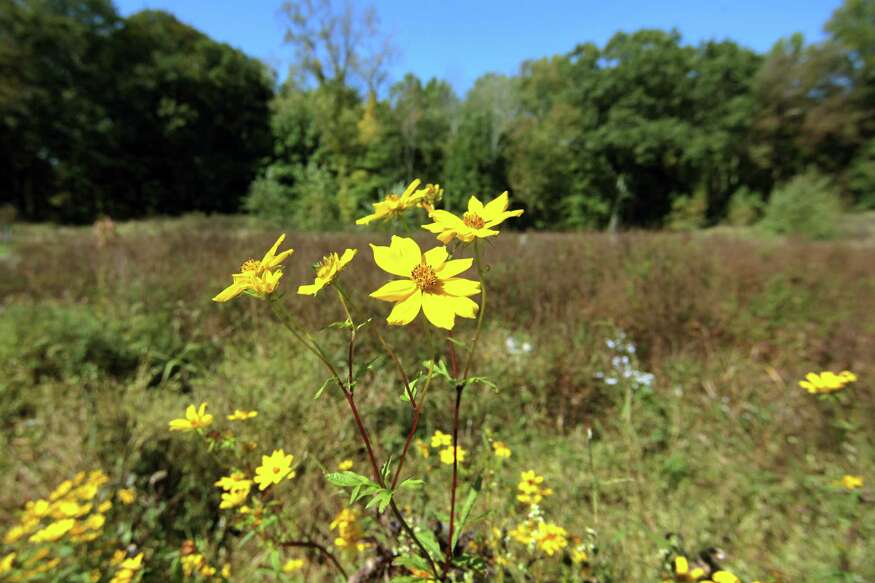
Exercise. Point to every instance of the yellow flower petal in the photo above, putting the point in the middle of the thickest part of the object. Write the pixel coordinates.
(461, 287)
(271, 253)
(399, 258)
(404, 312)
(435, 258)
(230, 292)
(495, 207)
(439, 310)
(454, 267)
(311, 288)
(395, 291)
(463, 307)
(475, 206)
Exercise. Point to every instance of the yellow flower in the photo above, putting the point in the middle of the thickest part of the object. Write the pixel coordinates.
(257, 278)
(478, 222)
(827, 381)
(239, 415)
(725, 577)
(226, 571)
(501, 450)
(441, 439)
(327, 271)
(447, 455)
(127, 496)
(194, 419)
(349, 532)
(6, 563)
(531, 491)
(128, 569)
(850, 482)
(393, 205)
(293, 565)
(345, 465)
(429, 284)
(682, 571)
(191, 563)
(236, 488)
(578, 555)
(207, 571)
(431, 195)
(274, 469)
(550, 538)
(54, 531)
(422, 448)
(522, 533)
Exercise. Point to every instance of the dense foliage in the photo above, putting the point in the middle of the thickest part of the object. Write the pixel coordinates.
(125, 117)
(646, 130)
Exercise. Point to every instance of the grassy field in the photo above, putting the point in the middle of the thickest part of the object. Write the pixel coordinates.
(101, 345)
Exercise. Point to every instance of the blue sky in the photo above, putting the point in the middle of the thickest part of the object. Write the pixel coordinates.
(460, 40)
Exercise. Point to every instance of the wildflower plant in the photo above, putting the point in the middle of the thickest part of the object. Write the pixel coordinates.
(447, 286)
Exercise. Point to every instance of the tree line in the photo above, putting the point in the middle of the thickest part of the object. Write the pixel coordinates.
(129, 117)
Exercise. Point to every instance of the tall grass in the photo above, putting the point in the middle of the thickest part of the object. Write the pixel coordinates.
(101, 345)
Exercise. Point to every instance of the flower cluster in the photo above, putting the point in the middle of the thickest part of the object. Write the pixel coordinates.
(827, 382)
(195, 418)
(624, 365)
(74, 513)
(128, 567)
(429, 281)
(682, 571)
(349, 531)
(547, 537)
(444, 442)
(257, 278)
(501, 450)
(531, 489)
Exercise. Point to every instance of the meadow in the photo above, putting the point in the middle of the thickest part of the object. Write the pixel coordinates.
(652, 379)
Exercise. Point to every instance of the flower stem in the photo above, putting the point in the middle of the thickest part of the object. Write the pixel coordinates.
(417, 411)
(378, 477)
(310, 344)
(459, 389)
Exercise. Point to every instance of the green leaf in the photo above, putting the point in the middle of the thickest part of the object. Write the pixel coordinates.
(386, 469)
(426, 537)
(412, 562)
(347, 479)
(366, 366)
(412, 484)
(482, 381)
(470, 500)
(322, 388)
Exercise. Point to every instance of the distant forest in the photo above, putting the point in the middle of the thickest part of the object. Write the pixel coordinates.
(102, 115)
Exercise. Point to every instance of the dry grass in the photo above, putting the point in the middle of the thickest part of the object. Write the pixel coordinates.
(726, 450)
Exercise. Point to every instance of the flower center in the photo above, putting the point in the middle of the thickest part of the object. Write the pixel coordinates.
(276, 470)
(250, 265)
(473, 220)
(425, 278)
(326, 266)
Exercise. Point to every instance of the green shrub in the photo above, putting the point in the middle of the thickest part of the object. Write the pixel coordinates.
(688, 212)
(807, 206)
(745, 208)
(861, 177)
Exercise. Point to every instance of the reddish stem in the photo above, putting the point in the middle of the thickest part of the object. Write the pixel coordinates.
(459, 389)
(413, 425)
(365, 438)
